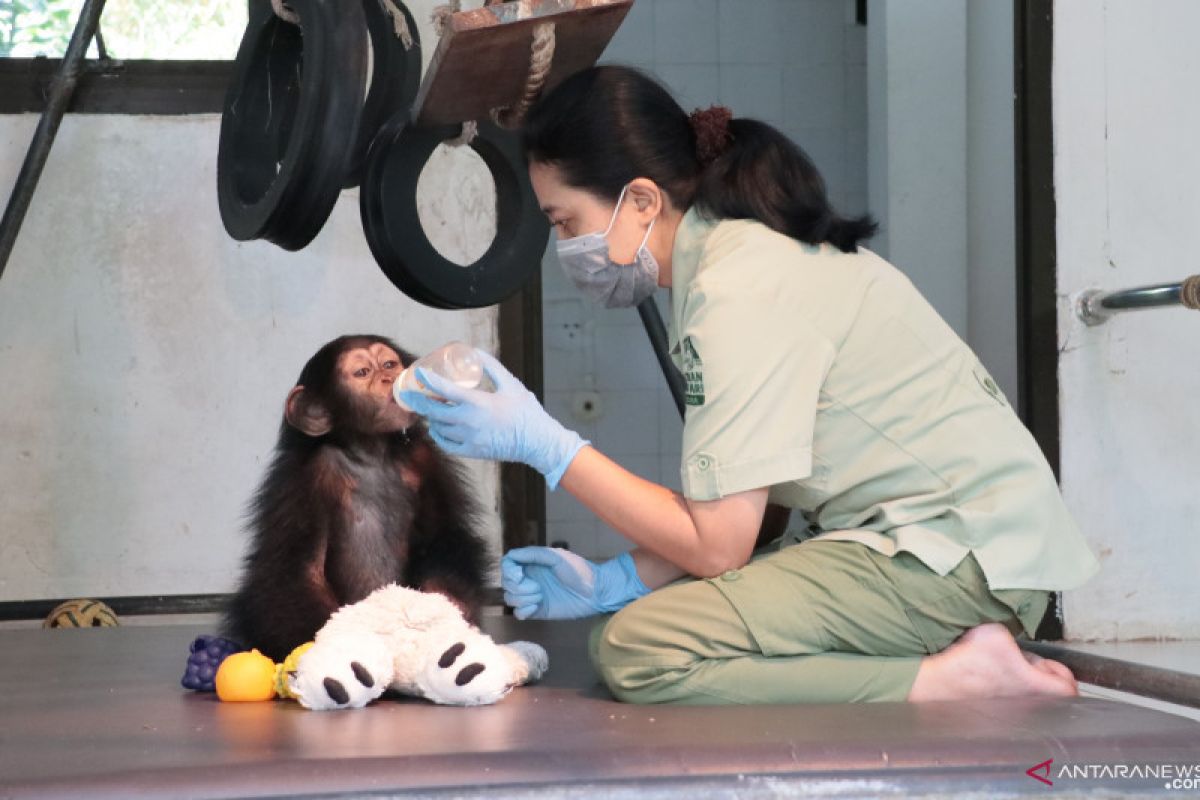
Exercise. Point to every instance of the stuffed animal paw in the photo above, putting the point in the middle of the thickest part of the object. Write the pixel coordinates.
(412, 642)
(342, 671)
(474, 670)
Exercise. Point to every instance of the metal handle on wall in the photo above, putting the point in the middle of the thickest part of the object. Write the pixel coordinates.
(1096, 306)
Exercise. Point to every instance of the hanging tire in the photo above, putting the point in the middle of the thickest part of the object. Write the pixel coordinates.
(294, 101)
(388, 205)
(395, 78)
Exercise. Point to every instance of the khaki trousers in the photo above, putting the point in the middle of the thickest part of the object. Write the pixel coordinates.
(817, 622)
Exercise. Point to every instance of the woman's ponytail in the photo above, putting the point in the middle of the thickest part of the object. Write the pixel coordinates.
(761, 174)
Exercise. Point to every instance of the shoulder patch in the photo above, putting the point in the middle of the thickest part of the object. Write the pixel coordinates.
(693, 375)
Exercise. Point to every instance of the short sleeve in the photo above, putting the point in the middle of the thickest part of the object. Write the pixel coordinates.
(753, 368)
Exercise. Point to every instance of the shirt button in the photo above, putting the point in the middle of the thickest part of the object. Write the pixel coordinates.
(704, 462)
(731, 575)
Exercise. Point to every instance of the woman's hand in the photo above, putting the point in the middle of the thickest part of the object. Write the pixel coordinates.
(508, 424)
(551, 583)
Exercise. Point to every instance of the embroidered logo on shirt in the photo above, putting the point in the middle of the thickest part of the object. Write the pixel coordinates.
(989, 385)
(693, 375)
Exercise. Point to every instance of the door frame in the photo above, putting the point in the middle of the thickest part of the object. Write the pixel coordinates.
(1037, 265)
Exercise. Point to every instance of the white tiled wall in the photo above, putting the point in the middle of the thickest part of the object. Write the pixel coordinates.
(797, 64)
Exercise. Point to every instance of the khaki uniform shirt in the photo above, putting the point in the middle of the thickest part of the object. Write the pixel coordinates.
(828, 378)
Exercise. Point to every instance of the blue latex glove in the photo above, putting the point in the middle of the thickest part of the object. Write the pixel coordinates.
(551, 583)
(508, 424)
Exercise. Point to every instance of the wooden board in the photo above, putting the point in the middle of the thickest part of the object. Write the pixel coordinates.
(482, 60)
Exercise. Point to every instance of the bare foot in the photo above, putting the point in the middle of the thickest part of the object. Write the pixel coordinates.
(986, 662)
(1051, 666)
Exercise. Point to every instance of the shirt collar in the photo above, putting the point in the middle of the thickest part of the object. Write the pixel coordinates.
(686, 253)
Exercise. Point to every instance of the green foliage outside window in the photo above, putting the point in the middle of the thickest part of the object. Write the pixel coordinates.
(132, 29)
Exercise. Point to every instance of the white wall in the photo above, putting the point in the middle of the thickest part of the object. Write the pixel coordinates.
(797, 64)
(917, 107)
(991, 191)
(941, 162)
(146, 355)
(1126, 175)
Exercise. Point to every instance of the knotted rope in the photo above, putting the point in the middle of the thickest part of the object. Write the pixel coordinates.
(1189, 292)
(541, 57)
(399, 23)
(441, 15)
(470, 129)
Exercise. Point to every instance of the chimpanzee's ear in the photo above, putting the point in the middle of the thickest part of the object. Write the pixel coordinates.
(307, 415)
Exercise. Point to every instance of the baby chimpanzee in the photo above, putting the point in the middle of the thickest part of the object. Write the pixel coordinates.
(357, 497)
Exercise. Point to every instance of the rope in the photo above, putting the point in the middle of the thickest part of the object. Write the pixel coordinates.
(441, 15)
(284, 13)
(541, 56)
(1189, 292)
(399, 23)
(470, 129)
(441, 18)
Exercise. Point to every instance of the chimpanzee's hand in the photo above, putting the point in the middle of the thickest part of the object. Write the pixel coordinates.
(551, 583)
(508, 424)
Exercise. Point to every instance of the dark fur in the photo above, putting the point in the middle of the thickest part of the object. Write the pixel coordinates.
(314, 546)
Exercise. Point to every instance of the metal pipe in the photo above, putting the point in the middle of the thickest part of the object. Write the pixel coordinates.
(43, 138)
(1096, 306)
(657, 331)
(1169, 685)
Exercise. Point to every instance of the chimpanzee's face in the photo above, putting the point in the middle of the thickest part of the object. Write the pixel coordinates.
(367, 374)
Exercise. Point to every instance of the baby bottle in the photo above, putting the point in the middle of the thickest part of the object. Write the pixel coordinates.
(454, 361)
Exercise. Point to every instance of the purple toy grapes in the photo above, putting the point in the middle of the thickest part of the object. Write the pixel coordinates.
(207, 653)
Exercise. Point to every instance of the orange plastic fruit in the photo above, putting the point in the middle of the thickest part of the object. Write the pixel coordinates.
(246, 676)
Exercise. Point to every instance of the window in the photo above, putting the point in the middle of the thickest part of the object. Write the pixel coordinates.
(151, 56)
(197, 30)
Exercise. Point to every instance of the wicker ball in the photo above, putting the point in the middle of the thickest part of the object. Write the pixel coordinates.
(81, 614)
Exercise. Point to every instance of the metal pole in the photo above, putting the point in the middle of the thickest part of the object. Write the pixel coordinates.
(43, 138)
(1124, 676)
(1096, 306)
(657, 331)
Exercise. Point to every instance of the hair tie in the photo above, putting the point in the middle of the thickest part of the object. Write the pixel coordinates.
(711, 126)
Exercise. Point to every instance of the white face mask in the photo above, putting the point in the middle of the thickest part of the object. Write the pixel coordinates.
(586, 262)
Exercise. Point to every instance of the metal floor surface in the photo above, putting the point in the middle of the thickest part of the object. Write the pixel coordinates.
(100, 713)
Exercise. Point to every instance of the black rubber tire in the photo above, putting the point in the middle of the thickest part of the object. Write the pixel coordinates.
(388, 204)
(395, 79)
(292, 104)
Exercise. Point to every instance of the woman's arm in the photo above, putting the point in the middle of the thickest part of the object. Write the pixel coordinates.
(701, 538)
(654, 571)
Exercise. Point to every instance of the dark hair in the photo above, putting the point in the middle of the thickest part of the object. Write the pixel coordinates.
(604, 126)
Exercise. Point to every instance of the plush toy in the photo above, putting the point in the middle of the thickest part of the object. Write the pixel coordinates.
(416, 643)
